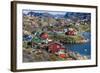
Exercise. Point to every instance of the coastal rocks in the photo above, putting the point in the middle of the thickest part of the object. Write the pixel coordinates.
(36, 55)
(40, 55)
(77, 56)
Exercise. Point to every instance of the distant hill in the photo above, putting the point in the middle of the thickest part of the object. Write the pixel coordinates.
(70, 15)
(80, 16)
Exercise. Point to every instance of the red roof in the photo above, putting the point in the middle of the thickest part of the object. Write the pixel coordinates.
(44, 35)
(70, 33)
(54, 47)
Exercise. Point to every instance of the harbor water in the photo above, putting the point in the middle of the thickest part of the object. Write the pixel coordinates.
(81, 48)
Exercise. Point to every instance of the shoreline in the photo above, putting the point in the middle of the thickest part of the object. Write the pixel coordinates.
(75, 42)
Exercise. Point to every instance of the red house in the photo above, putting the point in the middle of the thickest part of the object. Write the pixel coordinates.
(54, 47)
(71, 31)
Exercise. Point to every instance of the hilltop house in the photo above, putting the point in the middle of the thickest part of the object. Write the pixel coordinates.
(71, 31)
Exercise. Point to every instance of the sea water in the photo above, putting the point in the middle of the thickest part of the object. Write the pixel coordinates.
(81, 48)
